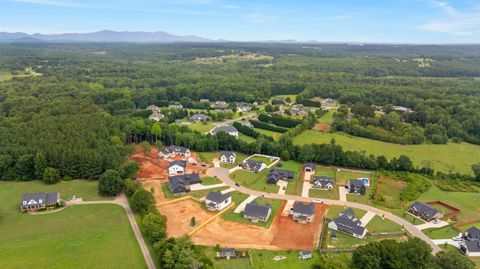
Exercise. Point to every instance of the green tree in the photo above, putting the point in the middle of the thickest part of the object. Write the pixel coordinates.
(193, 222)
(146, 148)
(142, 201)
(453, 260)
(110, 183)
(285, 155)
(40, 163)
(129, 169)
(476, 171)
(180, 253)
(153, 226)
(131, 186)
(51, 175)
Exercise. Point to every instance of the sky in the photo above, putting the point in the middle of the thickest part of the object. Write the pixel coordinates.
(381, 21)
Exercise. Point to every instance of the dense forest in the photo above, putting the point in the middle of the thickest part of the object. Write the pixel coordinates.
(90, 98)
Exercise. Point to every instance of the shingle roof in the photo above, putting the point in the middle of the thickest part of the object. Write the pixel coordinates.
(254, 165)
(180, 182)
(349, 213)
(174, 148)
(227, 154)
(424, 209)
(217, 197)
(181, 163)
(305, 252)
(199, 117)
(40, 198)
(256, 210)
(473, 246)
(349, 226)
(226, 129)
(473, 232)
(323, 180)
(356, 183)
(310, 165)
(307, 209)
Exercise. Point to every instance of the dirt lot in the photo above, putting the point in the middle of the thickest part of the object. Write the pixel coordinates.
(322, 127)
(179, 215)
(154, 167)
(283, 234)
(156, 185)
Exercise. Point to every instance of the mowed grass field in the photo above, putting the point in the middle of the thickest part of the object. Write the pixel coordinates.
(460, 156)
(82, 236)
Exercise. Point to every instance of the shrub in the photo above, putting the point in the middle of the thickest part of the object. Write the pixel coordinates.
(153, 226)
(142, 201)
(110, 183)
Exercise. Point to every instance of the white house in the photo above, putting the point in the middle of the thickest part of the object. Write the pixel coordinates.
(227, 157)
(323, 182)
(254, 166)
(156, 116)
(177, 167)
(302, 213)
(226, 129)
(172, 151)
(305, 255)
(216, 201)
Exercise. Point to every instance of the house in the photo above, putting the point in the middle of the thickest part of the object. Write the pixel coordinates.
(470, 248)
(181, 183)
(227, 157)
(172, 151)
(305, 255)
(226, 253)
(275, 175)
(323, 182)
(472, 233)
(175, 106)
(425, 212)
(198, 117)
(365, 180)
(220, 105)
(39, 200)
(245, 123)
(256, 212)
(347, 223)
(216, 200)
(356, 186)
(156, 116)
(227, 129)
(302, 213)
(309, 167)
(204, 100)
(254, 166)
(153, 108)
(177, 167)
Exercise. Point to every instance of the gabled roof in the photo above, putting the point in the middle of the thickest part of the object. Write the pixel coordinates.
(217, 197)
(181, 182)
(349, 226)
(473, 246)
(309, 165)
(181, 163)
(227, 154)
(254, 165)
(473, 232)
(348, 213)
(356, 183)
(305, 252)
(424, 209)
(40, 198)
(323, 180)
(198, 117)
(174, 148)
(256, 210)
(306, 209)
(227, 250)
(227, 129)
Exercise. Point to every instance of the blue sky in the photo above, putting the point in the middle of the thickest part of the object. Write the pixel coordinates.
(404, 21)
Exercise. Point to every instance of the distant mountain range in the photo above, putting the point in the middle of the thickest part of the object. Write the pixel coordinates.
(103, 36)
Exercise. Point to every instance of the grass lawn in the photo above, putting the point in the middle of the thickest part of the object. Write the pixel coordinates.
(284, 96)
(202, 127)
(446, 232)
(263, 259)
(256, 181)
(246, 138)
(467, 202)
(261, 159)
(83, 236)
(275, 135)
(207, 157)
(210, 181)
(334, 211)
(327, 194)
(325, 171)
(239, 197)
(294, 187)
(345, 241)
(461, 156)
(327, 118)
(465, 227)
(197, 194)
(342, 177)
(378, 225)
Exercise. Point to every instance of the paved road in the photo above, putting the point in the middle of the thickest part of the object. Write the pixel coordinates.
(121, 200)
(223, 174)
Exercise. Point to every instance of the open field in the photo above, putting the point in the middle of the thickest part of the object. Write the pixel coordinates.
(327, 118)
(71, 238)
(246, 138)
(255, 181)
(283, 234)
(202, 127)
(461, 156)
(446, 232)
(5, 75)
(284, 96)
(179, 215)
(275, 135)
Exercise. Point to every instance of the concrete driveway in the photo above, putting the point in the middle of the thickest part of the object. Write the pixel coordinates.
(342, 191)
(447, 241)
(242, 205)
(432, 225)
(199, 187)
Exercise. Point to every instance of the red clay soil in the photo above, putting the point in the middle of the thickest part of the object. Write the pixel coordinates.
(283, 234)
(155, 167)
(322, 127)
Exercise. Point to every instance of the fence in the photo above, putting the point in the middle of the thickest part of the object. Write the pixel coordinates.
(455, 211)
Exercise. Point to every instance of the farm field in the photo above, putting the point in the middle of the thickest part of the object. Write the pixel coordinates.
(72, 235)
(275, 135)
(246, 138)
(461, 156)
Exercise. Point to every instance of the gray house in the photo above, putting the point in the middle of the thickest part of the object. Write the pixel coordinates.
(181, 184)
(302, 213)
(425, 212)
(39, 200)
(172, 151)
(309, 167)
(226, 129)
(305, 255)
(323, 182)
(347, 223)
(275, 175)
(256, 212)
(227, 157)
(356, 186)
(198, 117)
(254, 166)
(226, 253)
(472, 233)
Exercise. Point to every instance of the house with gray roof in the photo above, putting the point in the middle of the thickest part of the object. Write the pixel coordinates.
(228, 157)
(275, 175)
(254, 166)
(181, 183)
(305, 254)
(226, 129)
(156, 116)
(302, 213)
(323, 182)
(425, 212)
(347, 223)
(172, 151)
(356, 186)
(309, 167)
(226, 253)
(177, 167)
(216, 200)
(257, 212)
(470, 248)
(472, 233)
(153, 108)
(198, 117)
(39, 200)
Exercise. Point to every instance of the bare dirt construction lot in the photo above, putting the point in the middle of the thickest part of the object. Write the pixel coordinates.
(283, 234)
(322, 127)
(154, 167)
(156, 186)
(179, 215)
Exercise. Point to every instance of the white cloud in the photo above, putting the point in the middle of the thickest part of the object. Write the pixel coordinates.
(454, 22)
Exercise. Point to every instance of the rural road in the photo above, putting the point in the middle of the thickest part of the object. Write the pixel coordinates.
(223, 174)
(121, 200)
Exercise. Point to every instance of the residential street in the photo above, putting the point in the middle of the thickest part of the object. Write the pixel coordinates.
(223, 174)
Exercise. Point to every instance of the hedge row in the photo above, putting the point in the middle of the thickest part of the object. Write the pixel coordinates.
(279, 120)
(266, 126)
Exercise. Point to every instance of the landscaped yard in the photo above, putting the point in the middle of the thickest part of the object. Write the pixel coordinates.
(446, 232)
(82, 236)
(379, 225)
(240, 197)
(326, 194)
(207, 156)
(261, 159)
(461, 155)
(246, 138)
(210, 181)
(256, 181)
(345, 241)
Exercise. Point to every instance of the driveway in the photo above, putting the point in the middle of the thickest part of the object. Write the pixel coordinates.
(223, 174)
(283, 186)
(242, 205)
(342, 191)
(306, 188)
(428, 225)
(447, 241)
(367, 218)
(199, 187)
